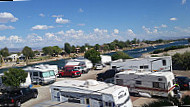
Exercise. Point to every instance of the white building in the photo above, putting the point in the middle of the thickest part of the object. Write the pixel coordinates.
(13, 57)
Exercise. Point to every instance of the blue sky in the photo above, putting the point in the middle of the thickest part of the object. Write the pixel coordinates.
(39, 23)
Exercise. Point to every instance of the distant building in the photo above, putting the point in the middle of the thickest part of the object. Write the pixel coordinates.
(12, 57)
(77, 50)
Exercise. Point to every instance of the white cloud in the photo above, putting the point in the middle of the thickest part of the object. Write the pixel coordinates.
(183, 30)
(42, 15)
(57, 15)
(15, 38)
(149, 31)
(130, 32)
(183, 2)
(116, 31)
(81, 24)
(4, 27)
(161, 26)
(7, 17)
(34, 37)
(41, 27)
(81, 10)
(62, 21)
(2, 38)
(173, 19)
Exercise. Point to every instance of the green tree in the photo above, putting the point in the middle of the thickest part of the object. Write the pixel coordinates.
(28, 53)
(82, 49)
(97, 47)
(120, 55)
(106, 48)
(3, 53)
(73, 49)
(93, 56)
(48, 50)
(14, 77)
(67, 48)
(56, 50)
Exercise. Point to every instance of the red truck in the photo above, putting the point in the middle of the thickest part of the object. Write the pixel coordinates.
(69, 71)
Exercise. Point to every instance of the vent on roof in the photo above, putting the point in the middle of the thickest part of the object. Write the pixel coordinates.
(91, 82)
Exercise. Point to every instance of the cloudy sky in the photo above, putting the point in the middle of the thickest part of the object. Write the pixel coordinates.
(39, 23)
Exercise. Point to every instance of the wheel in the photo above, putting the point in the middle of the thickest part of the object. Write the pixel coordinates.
(73, 76)
(35, 95)
(60, 75)
(18, 104)
(83, 71)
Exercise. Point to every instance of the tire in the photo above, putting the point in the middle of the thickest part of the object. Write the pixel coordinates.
(18, 104)
(83, 71)
(60, 75)
(73, 76)
(35, 95)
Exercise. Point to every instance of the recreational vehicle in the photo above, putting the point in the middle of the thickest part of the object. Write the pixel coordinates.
(90, 92)
(149, 64)
(147, 83)
(85, 62)
(41, 74)
(105, 59)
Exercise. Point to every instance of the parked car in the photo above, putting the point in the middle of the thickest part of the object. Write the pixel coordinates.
(69, 71)
(98, 67)
(16, 97)
(107, 75)
(81, 69)
(183, 82)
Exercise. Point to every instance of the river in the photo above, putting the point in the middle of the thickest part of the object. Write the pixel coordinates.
(135, 53)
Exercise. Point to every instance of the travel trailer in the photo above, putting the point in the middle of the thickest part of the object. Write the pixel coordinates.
(83, 62)
(151, 64)
(149, 83)
(26, 84)
(91, 93)
(41, 74)
(105, 59)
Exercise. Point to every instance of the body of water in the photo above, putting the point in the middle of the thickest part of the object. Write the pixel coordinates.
(135, 53)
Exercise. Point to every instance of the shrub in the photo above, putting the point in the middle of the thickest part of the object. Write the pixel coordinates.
(120, 55)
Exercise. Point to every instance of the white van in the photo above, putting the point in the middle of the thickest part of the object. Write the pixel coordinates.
(149, 83)
(91, 93)
(41, 75)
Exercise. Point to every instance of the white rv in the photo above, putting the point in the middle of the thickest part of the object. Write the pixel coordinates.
(50, 67)
(105, 59)
(147, 83)
(149, 64)
(90, 92)
(85, 62)
(41, 74)
(26, 84)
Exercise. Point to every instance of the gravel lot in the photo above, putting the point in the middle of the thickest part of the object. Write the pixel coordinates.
(44, 93)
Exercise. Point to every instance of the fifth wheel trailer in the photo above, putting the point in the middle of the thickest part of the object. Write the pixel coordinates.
(149, 64)
(150, 83)
(91, 93)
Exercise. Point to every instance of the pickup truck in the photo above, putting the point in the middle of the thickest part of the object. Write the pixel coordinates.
(69, 71)
(16, 97)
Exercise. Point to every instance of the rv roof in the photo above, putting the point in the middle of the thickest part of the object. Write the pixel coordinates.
(147, 73)
(95, 86)
(42, 68)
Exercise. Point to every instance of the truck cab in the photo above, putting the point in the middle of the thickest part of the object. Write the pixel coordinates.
(69, 71)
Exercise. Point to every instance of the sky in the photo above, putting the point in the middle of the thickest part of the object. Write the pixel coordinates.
(39, 23)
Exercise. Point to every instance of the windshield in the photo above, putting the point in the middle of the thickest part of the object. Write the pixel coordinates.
(51, 73)
(46, 74)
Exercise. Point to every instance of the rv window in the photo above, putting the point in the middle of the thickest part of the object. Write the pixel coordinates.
(74, 100)
(164, 62)
(45, 74)
(51, 73)
(41, 74)
(144, 67)
(35, 73)
(56, 89)
(114, 67)
(158, 85)
(138, 82)
(155, 85)
(159, 79)
(87, 101)
(119, 81)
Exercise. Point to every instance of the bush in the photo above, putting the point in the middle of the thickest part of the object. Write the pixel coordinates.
(159, 103)
(120, 55)
(154, 56)
(181, 61)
